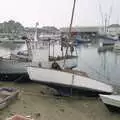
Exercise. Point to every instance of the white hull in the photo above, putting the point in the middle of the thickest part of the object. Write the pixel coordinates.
(50, 76)
(112, 100)
(117, 46)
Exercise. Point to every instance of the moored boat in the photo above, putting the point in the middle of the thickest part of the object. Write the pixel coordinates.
(112, 102)
(78, 40)
(117, 47)
(13, 70)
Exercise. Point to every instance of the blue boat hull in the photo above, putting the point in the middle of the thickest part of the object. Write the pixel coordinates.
(81, 41)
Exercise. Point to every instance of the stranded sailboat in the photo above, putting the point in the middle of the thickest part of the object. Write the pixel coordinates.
(67, 83)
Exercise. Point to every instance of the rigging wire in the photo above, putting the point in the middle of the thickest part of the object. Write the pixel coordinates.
(107, 15)
(100, 10)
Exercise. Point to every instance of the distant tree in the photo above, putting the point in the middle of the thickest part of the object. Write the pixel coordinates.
(11, 27)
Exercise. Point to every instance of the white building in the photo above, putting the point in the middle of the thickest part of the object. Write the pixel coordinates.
(114, 29)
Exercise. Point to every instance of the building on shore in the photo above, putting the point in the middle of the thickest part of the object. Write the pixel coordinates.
(84, 32)
(114, 29)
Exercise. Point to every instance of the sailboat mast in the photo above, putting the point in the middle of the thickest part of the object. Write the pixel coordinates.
(73, 10)
(69, 33)
(106, 19)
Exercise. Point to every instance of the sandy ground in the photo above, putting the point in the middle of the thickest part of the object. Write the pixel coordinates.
(40, 103)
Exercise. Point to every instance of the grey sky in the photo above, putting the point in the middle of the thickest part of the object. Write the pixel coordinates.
(57, 12)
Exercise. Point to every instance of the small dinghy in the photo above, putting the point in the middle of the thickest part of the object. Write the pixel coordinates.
(112, 102)
(7, 95)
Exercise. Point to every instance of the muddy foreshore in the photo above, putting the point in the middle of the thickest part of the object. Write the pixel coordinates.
(39, 102)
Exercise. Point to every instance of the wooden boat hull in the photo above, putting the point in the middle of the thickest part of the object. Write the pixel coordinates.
(112, 102)
(64, 82)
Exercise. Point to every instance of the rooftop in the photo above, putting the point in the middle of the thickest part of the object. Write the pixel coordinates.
(114, 25)
(81, 29)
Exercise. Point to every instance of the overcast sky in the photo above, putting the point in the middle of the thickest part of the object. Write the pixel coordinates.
(58, 12)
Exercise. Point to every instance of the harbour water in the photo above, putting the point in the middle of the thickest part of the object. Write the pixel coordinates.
(104, 66)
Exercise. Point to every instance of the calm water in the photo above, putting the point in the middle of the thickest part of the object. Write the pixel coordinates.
(101, 66)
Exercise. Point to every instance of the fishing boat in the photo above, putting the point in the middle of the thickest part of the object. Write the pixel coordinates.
(111, 101)
(56, 50)
(65, 82)
(7, 95)
(15, 67)
(13, 70)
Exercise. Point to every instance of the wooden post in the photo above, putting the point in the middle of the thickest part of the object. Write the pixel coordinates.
(53, 49)
(72, 84)
(49, 49)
